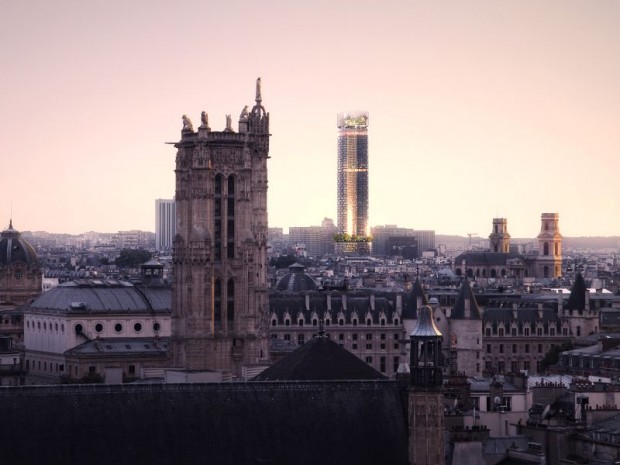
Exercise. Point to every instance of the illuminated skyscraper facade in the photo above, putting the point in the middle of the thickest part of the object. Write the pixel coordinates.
(353, 175)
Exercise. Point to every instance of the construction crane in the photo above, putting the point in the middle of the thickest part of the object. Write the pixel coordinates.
(470, 236)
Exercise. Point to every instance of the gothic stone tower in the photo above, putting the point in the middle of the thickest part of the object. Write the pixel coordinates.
(426, 407)
(499, 238)
(219, 293)
(549, 260)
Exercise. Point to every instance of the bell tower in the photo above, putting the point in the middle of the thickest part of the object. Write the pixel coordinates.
(499, 239)
(549, 260)
(219, 292)
(426, 407)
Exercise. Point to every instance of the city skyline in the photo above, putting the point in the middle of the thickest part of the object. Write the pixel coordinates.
(479, 110)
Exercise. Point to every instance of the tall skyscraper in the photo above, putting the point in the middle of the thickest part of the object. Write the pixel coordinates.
(219, 292)
(165, 223)
(353, 174)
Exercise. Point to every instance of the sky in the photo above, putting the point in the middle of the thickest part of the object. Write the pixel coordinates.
(478, 109)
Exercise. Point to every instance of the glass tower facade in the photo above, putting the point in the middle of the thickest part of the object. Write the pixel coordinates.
(353, 173)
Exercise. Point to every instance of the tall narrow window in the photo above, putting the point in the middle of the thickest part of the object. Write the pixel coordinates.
(218, 217)
(546, 248)
(217, 304)
(230, 304)
(230, 214)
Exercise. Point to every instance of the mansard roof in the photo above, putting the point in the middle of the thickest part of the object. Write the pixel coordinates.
(319, 359)
(458, 311)
(349, 304)
(577, 297)
(86, 296)
(485, 258)
(507, 316)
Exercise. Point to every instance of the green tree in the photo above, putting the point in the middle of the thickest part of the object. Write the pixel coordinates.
(553, 356)
(283, 261)
(131, 258)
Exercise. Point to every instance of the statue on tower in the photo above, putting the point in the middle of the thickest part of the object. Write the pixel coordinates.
(187, 124)
(228, 124)
(258, 96)
(204, 119)
(244, 114)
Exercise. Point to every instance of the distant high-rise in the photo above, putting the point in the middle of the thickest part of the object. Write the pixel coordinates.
(353, 173)
(165, 223)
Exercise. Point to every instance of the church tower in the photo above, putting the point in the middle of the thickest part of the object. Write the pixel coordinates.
(499, 239)
(219, 292)
(549, 260)
(426, 407)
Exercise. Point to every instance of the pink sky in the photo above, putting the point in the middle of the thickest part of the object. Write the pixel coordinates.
(478, 109)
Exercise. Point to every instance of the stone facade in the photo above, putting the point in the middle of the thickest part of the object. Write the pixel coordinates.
(219, 295)
(426, 427)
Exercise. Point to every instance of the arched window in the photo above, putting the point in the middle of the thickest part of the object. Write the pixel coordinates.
(218, 218)
(545, 248)
(556, 248)
(230, 304)
(493, 273)
(470, 273)
(230, 218)
(217, 304)
(545, 271)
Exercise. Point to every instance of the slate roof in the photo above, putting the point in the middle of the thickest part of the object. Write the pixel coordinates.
(103, 296)
(296, 280)
(278, 423)
(121, 347)
(357, 303)
(14, 249)
(466, 293)
(505, 315)
(410, 305)
(485, 258)
(577, 297)
(319, 359)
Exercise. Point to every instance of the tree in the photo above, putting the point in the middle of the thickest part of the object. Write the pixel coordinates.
(553, 356)
(131, 258)
(283, 261)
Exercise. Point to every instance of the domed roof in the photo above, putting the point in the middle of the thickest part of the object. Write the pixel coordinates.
(296, 280)
(14, 249)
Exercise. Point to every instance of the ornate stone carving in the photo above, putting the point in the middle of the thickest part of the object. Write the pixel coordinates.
(201, 158)
(204, 119)
(187, 124)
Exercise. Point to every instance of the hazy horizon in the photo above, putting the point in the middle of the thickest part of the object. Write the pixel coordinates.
(478, 109)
